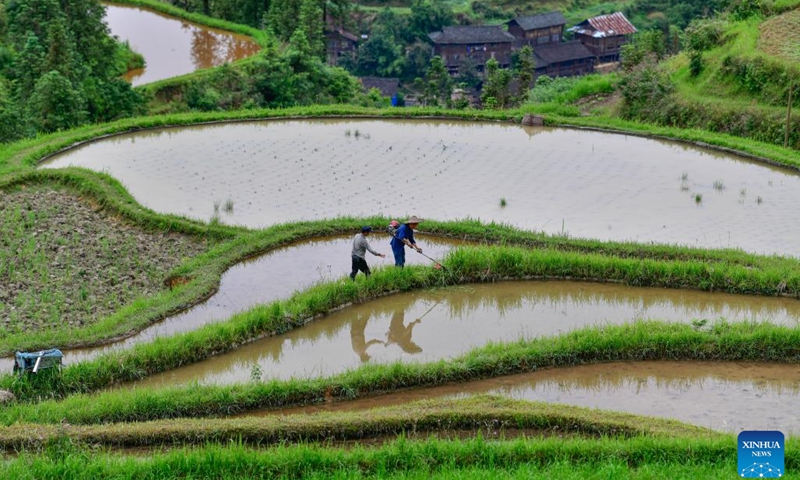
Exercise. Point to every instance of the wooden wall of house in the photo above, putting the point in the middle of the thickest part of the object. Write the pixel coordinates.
(337, 46)
(516, 30)
(573, 68)
(605, 48)
(453, 55)
(545, 35)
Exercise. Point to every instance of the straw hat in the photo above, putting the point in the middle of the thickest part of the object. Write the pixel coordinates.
(413, 219)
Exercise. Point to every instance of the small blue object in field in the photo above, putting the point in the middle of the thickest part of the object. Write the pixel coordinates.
(36, 361)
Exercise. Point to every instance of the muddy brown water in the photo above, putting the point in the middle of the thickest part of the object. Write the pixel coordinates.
(728, 397)
(172, 46)
(579, 183)
(262, 279)
(444, 323)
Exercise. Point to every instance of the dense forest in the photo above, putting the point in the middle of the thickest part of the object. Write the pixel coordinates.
(59, 68)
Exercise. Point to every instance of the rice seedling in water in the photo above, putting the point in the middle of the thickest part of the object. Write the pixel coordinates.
(347, 133)
(228, 206)
(719, 185)
(216, 206)
(743, 192)
(255, 373)
(698, 198)
(684, 177)
(503, 202)
(758, 200)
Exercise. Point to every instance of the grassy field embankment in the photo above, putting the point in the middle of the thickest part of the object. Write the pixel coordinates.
(641, 457)
(485, 413)
(639, 341)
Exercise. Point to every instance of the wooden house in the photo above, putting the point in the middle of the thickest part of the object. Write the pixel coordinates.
(339, 43)
(564, 59)
(604, 35)
(389, 87)
(478, 43)
(537, 29)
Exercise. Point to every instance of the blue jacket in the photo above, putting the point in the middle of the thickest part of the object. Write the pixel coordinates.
(404, 232)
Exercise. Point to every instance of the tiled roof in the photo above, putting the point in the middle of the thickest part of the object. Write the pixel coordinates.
(345, 34)
(605, 26)
(543, 20)
(560, 52)
(387, 86)
(471, 34)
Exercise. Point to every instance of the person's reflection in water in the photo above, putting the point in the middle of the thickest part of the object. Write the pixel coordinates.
(400, 333)
(359, 339)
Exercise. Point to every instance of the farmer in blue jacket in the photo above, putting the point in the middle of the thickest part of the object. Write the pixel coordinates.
(404, 236)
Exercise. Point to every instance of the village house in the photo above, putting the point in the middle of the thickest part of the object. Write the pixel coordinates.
(389, 87)
(478, 43)
(340, 43)
(537, 29)
(604, 35)
(563, 59)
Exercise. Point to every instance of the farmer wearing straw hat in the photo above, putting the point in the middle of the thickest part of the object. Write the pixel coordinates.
(404, 236)
(359, 254)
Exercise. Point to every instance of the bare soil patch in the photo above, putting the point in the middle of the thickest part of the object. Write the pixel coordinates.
(65, 263)
(592, 104)
(780, 36)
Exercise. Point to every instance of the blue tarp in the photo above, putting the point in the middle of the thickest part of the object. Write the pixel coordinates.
(33, 362)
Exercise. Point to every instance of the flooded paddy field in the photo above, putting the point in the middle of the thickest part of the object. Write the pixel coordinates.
(442, 323)
(723, 396)
(579, 183)
(172, 46)
(263, 279)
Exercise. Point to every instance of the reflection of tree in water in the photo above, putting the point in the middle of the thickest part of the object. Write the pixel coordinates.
(210, 49)
(680, 376)
(689, 304)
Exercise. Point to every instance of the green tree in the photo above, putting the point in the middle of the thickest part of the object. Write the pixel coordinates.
(60, 50)
(63, 48)
(55, 104)
(426, 17)
(645, 88)
(438, 86)
(496, 89)
(468, 73)
(313, 24)
(524, 73)
(387, 22)
(645, 44)
(29, 65)
(11, 127)
(282, 17)
(417, 61)
(380, 56)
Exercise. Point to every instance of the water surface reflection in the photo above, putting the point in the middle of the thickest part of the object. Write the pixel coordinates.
(172, 46)
(580, 183)
(723, 396)
(444, 323)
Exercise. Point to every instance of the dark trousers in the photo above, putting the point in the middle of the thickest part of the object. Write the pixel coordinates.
(359, 264)
(399, 256)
